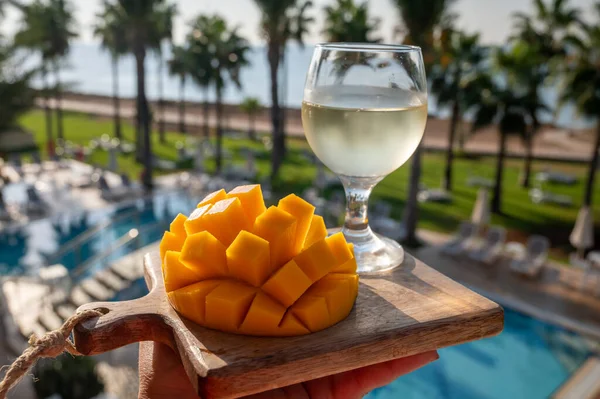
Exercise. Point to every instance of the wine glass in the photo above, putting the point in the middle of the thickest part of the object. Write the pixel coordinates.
(364, 113)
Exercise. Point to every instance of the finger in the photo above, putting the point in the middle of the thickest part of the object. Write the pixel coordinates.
(161, 373)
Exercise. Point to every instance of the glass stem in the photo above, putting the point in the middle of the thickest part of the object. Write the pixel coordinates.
(356, 225)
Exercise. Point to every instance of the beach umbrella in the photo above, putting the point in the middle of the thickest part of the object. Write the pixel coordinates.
(481, 210)
(582, 236)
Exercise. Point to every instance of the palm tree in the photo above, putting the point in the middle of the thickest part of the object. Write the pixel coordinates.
(143, 22)
(164, 31)
(419, 19)
(251, 106)
(16, 94)
(498, 104)
(112, 35)
(220, 52)
(348, 22)
(179, 67)
(281, 20)
(582, 86)
(460, 62)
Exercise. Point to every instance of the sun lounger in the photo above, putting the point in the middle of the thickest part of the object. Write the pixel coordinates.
(491, 248)
(478, 181)
(434, 195)
(538, 196)
(590, 271)
(35, 205)
(112, 193)
(549, 176)
(531, 262)
(4, 213)
(462, 241)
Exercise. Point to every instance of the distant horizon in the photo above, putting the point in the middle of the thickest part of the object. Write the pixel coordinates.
(492, 19)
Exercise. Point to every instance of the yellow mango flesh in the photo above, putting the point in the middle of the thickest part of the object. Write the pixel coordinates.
(170, 242)
(212, 198)
(248, 258)
(193, 224)
(251, 198)
(205, 255)
(176, 274)
(190, 300)
(279, 228)
(224, 220)
(303, 212)
(287, 284)
(316, 232)
(177, 227)
(227, 305)
(234, 266)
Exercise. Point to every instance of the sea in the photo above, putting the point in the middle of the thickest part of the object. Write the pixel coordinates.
(88, 70)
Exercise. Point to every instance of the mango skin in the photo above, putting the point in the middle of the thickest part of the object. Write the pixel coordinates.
(238, 267)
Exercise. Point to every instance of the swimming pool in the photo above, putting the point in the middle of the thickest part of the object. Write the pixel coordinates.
(528, 360)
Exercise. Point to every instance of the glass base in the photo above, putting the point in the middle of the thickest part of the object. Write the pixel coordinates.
(374, 253)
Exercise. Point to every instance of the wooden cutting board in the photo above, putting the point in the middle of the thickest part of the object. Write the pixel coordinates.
(409, 310)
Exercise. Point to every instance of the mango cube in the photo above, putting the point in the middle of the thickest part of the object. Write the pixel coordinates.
(279, 228)
(287, 284)
(264, 315)
(252, 200)
(170, 242)
(227, 305)
(339, 248)
(248, 258)
(176, 226)
(193, 224)
(205, 255)
(290, 326)
(338, 293)
(190, 300)
(303, 212)
(347, 267)
(312, 312)
(316, 232)
(176, 274)
(212, 198)
(224, 220)
(316, 261)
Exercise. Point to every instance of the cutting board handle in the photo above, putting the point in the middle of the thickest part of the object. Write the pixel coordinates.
(125, 322)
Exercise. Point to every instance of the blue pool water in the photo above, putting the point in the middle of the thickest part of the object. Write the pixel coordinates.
(529, 360)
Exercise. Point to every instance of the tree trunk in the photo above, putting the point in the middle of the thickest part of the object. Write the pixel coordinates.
(526, 180)
(589, 185)
(450, 150)
(58, 96)
(116, 101)
(252, 124)
(182, 104)
(47, 111)
(143, 116)
(283, 96)
(205, 112)
(411, 209)
(219, 154)
(161, 101)
(497, 196)
(278, 150)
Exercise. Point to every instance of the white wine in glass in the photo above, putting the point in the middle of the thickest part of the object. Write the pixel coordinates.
(364, 114)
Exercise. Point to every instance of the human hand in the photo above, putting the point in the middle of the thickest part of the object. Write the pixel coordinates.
(162, 376)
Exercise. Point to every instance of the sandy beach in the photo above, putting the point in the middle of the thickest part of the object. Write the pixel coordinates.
(550, 143)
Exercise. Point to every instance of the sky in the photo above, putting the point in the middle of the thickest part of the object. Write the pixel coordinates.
(489, 17)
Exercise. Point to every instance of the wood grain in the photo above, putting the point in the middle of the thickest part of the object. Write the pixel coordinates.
(409, 310)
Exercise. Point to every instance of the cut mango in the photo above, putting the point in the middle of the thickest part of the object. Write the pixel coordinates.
(234, 266)
(248, 258)
(205, 255)
(212, 198)
(170, 242)
(193, 224)
(176, 226)
(190, 300)
(224, 220)
(287, 284)
(279, 228)
(316, 232)
(252, 200)
(176, 274)
(316, 261)
(303, 212)
(227, 305)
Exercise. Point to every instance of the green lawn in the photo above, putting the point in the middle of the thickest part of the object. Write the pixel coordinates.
(521, 217)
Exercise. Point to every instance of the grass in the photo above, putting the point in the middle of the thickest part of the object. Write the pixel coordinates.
(520, 215)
